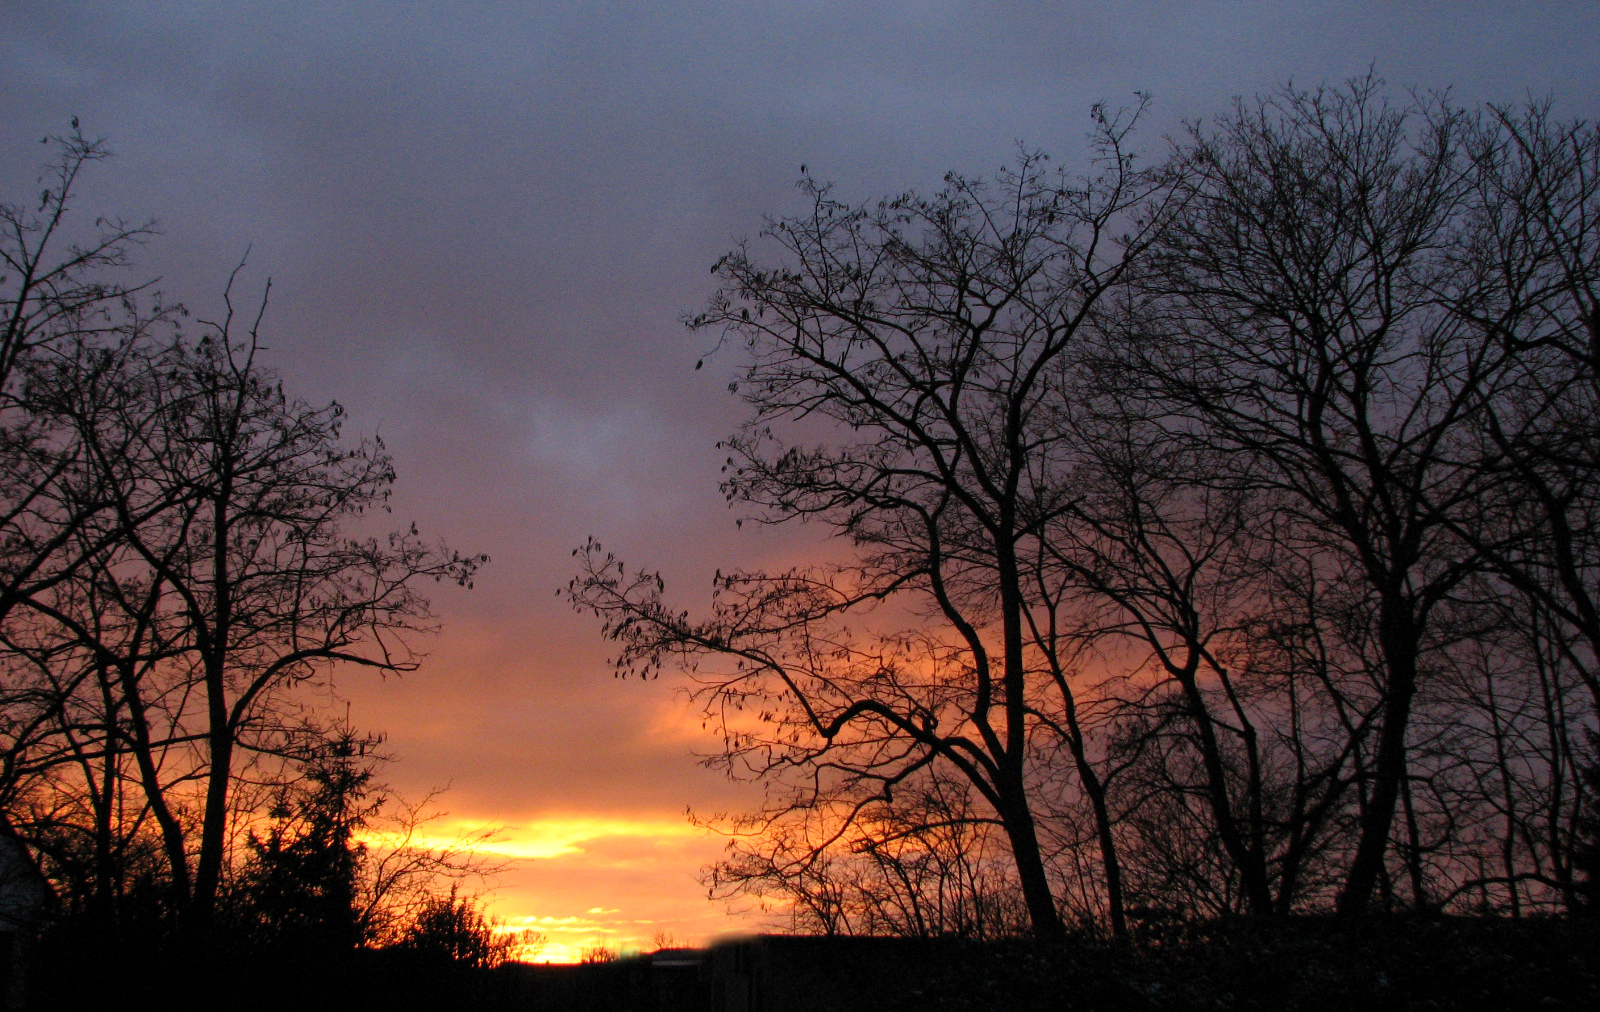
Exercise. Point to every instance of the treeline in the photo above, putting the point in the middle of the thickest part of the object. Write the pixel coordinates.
(187, 552)
(1223, 531)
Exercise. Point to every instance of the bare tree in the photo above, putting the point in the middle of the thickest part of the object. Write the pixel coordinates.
(1234, 523)
(929, 862)
(166, 658)
(928, 337)
(263, 584)
(1325, 312)
(73, 354)
(1538, 242)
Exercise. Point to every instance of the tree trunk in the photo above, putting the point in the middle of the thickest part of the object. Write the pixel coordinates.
(1399, 638)
(1036, 893)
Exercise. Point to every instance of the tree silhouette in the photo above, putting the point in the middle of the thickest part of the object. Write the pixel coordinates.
(176, 560)
(301, 883)
(929, 337)
(452, 929)
(1228, 527)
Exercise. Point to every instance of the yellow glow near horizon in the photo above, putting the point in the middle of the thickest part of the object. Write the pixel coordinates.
(562, 952)
(584, 881)
(619, 881)
(556, 952)
(566, 939)
(542, 838)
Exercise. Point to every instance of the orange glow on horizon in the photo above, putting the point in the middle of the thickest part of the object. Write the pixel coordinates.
(624, 882)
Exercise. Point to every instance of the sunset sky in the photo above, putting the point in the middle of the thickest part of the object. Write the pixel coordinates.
(482, 222)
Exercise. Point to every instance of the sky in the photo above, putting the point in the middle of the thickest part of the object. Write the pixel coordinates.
(483, 223)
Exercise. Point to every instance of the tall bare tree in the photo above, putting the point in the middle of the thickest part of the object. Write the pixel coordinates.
(265, 584)
(178, 554)
(1329, 311)
(927, 336)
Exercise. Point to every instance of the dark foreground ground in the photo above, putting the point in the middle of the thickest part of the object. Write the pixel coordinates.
(1420, 963)
(1412, 964)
